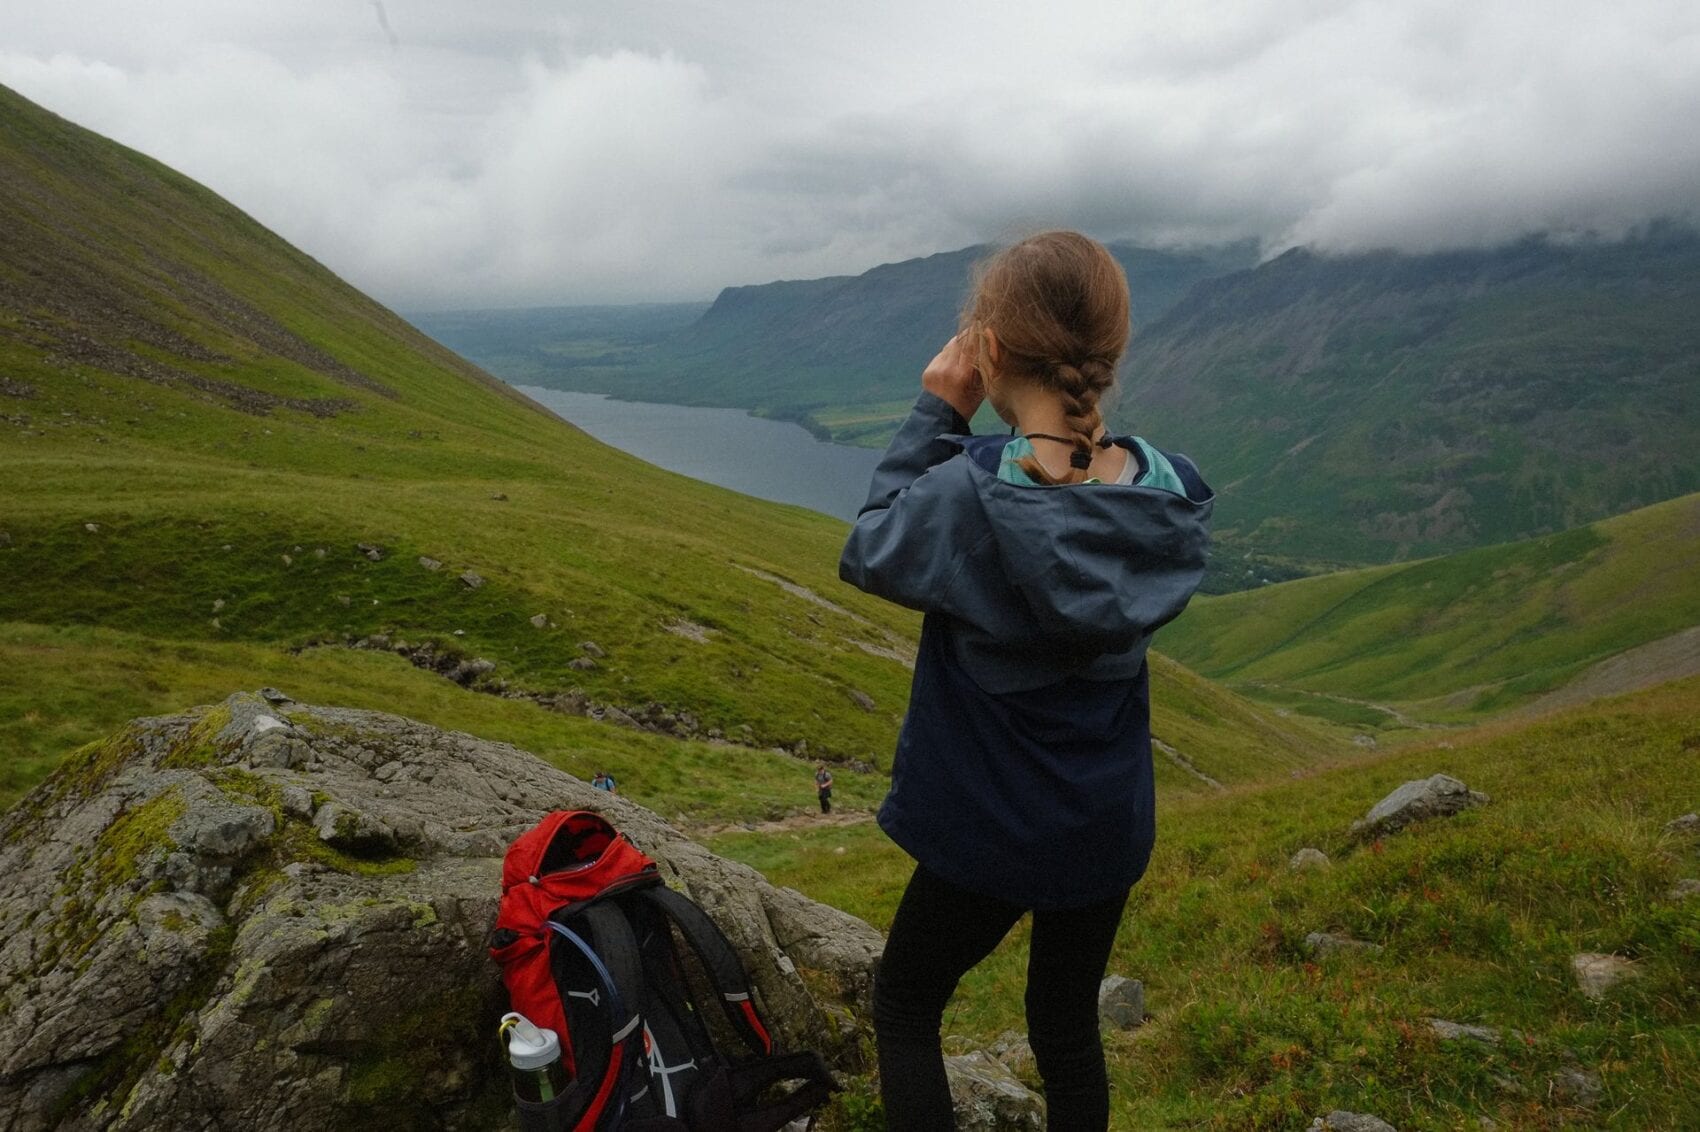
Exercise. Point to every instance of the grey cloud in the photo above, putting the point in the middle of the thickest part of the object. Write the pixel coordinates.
(608, 151)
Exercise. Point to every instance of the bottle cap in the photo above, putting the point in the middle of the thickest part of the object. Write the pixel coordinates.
(529, 1046)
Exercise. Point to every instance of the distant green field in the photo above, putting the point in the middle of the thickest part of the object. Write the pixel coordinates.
(1478, 916)
(1454, 637)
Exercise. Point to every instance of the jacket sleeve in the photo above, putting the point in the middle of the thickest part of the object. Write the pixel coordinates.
(908, 540)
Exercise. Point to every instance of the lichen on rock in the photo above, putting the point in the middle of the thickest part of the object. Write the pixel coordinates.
(271, 915)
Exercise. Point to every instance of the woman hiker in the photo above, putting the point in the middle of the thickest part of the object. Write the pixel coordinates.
(1044, 562)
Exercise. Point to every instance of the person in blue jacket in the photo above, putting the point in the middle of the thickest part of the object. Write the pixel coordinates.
(1044, 562)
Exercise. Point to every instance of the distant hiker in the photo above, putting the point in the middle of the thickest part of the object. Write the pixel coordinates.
(823, 787)
(604, 781)
(1044, 562)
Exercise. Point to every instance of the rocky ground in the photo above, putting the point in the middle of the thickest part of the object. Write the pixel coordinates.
(268, 915)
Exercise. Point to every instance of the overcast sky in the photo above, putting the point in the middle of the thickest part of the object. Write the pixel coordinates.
(443, 153)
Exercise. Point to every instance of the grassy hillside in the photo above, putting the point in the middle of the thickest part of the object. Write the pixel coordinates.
(842, 355)
(62, 687)
(1483, 630)
(220, 466)
(199, 425)
(1208, 738)
(1477, 916)
(1380, 407)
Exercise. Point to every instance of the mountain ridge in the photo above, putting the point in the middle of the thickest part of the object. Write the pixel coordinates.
(1351, 409)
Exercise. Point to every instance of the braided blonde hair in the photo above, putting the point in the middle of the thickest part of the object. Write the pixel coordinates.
(1058, 304)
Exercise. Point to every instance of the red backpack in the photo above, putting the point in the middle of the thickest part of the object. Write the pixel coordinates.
(588, 936)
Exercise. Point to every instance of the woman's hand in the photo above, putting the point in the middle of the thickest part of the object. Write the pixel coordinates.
(952, 377)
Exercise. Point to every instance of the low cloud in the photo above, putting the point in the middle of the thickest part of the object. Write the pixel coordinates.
(654, 152)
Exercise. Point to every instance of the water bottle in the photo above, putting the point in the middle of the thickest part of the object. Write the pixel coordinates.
(534, 1059)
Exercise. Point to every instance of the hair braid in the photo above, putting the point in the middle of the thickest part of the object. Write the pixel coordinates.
(1058, 304)
(1079, 388)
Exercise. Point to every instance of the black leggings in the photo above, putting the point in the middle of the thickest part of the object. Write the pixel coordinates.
(939, 933)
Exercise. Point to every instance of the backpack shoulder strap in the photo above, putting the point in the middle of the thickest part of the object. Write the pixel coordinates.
(620, 979)
(725, 969)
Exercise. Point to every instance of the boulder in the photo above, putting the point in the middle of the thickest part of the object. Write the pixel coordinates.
(470, 670)
(1464, 1031)
(1016, 1052)
(1438, 796)
(1342, 1121)
(1308, 859)
(430, 563)
(472, 579)
(1121, 1002)
(196, 933)
(1328, 943)
(1576, 1085)
(1596, 974)
(987, 1097)
(1686, 824)
(540, 621)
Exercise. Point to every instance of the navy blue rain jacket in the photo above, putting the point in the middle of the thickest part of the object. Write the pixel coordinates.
(1023, 769)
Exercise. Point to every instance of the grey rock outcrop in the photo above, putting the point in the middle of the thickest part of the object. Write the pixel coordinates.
(1308, 859)
(1342, 1121)
(987, 1097)
(1016, 1052)
(1687, 823)
(1437, 796)
(1466, 1031)
(1121, 1002)
(1596, 974)
(270, 916)
(1577, 1085)
(1328, 943)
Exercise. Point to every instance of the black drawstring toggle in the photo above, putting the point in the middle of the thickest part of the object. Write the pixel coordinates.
(1079, 458)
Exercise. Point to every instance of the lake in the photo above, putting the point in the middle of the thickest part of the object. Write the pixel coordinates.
(773, 460)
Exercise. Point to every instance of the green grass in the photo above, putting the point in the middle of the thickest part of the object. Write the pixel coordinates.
(61, 688)
(147, 334)
(1471, 633)
(1478, 916)
(201, 425)
(221, 410)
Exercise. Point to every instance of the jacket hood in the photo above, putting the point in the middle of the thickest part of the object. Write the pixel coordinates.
(1097, 567)
(1030, 585)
